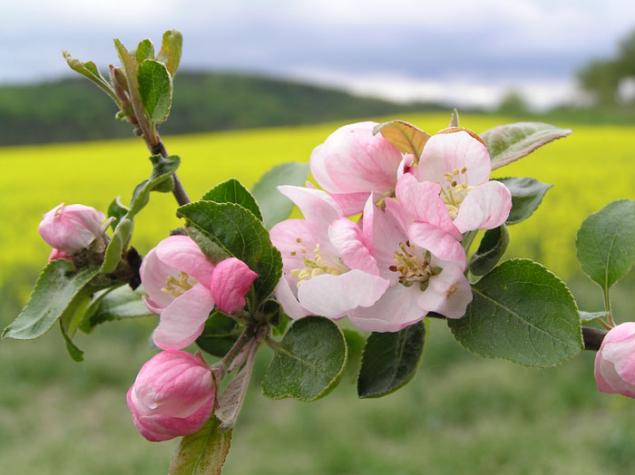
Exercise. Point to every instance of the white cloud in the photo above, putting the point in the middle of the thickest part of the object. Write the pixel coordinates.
(412, 47)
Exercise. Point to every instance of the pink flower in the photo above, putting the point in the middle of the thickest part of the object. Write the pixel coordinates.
(328, 270)
(182, 285)
(461, 165)
(615, 361)
(173, 395)
(422, 278)
(352, 163)
(231, 281)
(71, 228)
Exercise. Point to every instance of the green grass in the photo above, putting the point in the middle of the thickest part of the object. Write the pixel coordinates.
(461, 414)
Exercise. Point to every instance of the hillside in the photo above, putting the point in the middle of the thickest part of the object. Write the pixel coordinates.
(72, 109)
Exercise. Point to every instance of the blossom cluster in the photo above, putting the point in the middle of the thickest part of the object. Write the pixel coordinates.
(382, 243)
(403, 257)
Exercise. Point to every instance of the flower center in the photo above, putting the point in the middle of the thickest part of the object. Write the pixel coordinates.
(414, 267)
(454, 191)
(316, 265)
(177, 286)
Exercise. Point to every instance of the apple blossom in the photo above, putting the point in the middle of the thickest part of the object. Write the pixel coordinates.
(183, 286)
(615, 361)
(71, 228)
(422, 279)
(353, 162)
(327, 268)
(173, 395)
(460, 163)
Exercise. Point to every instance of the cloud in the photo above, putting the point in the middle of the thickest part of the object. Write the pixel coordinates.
(489, 42)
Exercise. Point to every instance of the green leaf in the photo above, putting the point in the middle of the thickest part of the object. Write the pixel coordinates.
(490, 250)
(214, 251)
(591, 316)
(606, 243)
(75, 353)
(89, 70)
(116, 210)
(527, 194)
(155, 89)
(508, 143)
(162, 172)
(202, 453)
(170, 53)
(274, 206)
(390, 360)
(220, 333)
(308, 362)
(118, 244)
(130, 68)
(240, 234)
(115, 304)
(232, 191)
(55, 290)
(145, 50)
(403, 135)
(523, 313)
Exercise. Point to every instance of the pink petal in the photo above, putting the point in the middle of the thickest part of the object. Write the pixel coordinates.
(422, 201)
(441, 244)
(154, 275)
(231, 281)
(315, 205)
(332, 296)
(486, 206)
(382, 234)
(353, 159)
(448, 293)
(294, 238)
(395, 310)
(446, 152)
(289, 301)
(184, 255)
(346, 237)
(350, 203)
(183, 320)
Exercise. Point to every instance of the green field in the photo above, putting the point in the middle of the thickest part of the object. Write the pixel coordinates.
(461, 415)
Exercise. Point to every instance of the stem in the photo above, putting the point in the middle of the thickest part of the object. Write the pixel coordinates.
(592, 336)
(179, 192)
(607, 307)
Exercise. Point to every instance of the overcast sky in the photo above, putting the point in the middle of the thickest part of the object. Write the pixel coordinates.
(462, 51)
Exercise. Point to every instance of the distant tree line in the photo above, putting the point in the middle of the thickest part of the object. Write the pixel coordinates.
(69, 109)
(602, 78)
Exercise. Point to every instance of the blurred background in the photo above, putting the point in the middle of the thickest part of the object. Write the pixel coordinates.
(263, 82)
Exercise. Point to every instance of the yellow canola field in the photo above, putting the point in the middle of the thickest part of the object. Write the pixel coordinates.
(589, 169)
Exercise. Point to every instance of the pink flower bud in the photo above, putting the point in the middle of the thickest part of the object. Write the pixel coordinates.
(71, 228)
(172, 396)
(615, 361)
(231, 281)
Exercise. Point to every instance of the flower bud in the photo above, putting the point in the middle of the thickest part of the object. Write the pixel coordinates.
(71, 228)
(615, 361)
(231, 281)
(172, 396)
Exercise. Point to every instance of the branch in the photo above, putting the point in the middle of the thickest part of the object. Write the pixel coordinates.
(179, 192)
(592, 336)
